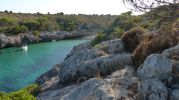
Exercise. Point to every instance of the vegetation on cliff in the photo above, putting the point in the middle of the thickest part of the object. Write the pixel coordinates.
(144, 34)
(16, 23)
(26, 93)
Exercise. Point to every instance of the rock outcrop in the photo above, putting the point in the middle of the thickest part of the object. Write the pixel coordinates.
(155, 65)
(106, 72)
(172, 53)
(112, 46)
(9, 41)
(74, 69)
(29, 38)
(122, 84)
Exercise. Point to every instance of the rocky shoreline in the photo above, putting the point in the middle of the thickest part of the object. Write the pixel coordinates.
(29, 38)
(107, 72)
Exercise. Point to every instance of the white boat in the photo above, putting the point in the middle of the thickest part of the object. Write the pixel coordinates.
(53, 40)
(24, 47)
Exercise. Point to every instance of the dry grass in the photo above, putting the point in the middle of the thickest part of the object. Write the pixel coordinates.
(132, 38)
(152, 44)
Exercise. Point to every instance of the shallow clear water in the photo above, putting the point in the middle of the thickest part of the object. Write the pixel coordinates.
(19, 68)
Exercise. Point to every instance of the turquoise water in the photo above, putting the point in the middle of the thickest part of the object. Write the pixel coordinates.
(19, 68)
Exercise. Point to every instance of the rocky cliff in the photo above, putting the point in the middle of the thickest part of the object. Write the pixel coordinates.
(107, 72)
(29, 38)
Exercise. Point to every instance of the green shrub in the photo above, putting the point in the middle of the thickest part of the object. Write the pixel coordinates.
(5, 96)
(31, 24)
(150, 24)
(6, 21)
(44, 23)
(116, 33)
(16, 29)
(99, 38)
(66, 24)
(26, 93)
(21, 95)
(33, 89)
(126, 21)
(36, 33)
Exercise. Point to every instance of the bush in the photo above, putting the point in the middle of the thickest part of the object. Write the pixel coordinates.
(31, 24)
(66, 24)
(116, 33)
(23, 94)
(150, 24)
(99, 38)
(152, 44)
(36, 33)
(33, 89)
(16, 30)
(43, 23)
(132, 38)
(124, 21)
(6, 21)
(165, 28)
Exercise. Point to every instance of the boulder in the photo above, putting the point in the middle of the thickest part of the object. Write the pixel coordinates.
(112, 46)
(172, 53)
(155, 65)
(174, 95)
(125, 84)
(153, 89)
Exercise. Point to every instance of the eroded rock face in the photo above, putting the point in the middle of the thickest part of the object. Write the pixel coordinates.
(29, 38)
(153, 89)
(155, 65)
(9, 41)
(79, 67)
(102, 73)
(49, 79)
(121, 85)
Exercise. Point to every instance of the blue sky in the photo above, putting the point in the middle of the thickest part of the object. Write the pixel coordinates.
(66, 6)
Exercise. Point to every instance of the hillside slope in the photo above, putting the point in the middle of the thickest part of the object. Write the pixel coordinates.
(135, 59)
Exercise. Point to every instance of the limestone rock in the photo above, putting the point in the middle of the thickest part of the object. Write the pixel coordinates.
(153, 89)
(112, 46)
(9, 41)
(155, 65)
(122, 84)
(77, 67)
(172, 53)
(174, 95)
